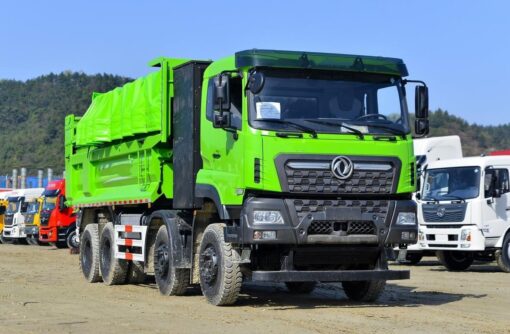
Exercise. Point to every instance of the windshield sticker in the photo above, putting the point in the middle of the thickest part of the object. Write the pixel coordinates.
(362, 128)
(268, 110)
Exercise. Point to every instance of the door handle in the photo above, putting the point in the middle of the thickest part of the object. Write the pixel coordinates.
(216, 155)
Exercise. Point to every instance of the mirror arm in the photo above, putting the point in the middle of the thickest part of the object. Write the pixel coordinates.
(405, 81)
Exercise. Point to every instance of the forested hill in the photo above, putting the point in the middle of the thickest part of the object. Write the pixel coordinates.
(32, 120)
(32, 116)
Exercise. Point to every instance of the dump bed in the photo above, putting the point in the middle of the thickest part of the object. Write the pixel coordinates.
(115, 153)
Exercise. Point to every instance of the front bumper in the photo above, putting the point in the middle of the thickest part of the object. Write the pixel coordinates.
(329, 275)
(297, 226)
(14, 232)
(48, 234)
(450, 238)
(31, 230)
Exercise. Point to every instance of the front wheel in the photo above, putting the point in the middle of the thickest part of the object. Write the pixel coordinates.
(72, 240)
(220, 273)
(364, 291)
(455, 260)
(503, 255)
(4, 240)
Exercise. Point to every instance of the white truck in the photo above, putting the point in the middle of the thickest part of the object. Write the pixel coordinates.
(427, 150)
(464, 211)
(17, 206)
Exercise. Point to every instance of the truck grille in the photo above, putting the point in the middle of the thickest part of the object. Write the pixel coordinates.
(45, 218)
(314, 175)
(342, 228)
(8, 219)
(306, 206)
(436, 213)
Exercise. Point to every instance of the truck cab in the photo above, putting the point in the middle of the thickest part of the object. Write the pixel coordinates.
(17, 206)
(463, 209)
(33, 221)
(58, 221)
(427, 150)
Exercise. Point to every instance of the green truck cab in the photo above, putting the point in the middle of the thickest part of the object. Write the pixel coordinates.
(281, 166)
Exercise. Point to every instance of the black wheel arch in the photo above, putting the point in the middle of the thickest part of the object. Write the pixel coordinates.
(179, 233)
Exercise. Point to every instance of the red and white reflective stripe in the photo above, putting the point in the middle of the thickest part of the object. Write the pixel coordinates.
(130, 256)
(110, 203)
(138, 241)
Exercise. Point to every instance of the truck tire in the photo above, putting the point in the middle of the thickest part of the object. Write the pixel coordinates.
(503, 255)
(32, 240)
(89, 253)
(72, 240)
(113, 270)
(220, 273)
(300, 287)
(171, 281)
(364, 291)
(455, 260)
(5, 240)
(414, 258)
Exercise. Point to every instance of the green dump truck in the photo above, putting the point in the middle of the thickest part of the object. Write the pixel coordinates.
(282, 166)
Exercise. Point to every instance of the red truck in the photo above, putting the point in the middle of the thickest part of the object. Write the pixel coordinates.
(58, 221)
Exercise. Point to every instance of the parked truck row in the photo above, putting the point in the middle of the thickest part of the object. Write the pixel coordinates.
(38, 216)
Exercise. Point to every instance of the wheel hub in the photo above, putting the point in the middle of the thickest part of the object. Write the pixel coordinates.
(162, 260)
(209, 269)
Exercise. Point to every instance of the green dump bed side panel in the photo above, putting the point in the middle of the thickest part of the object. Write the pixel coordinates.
(118, 151)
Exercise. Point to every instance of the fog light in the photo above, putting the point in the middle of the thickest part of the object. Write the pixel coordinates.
(423, 245)
(406, 218)
(465, 245)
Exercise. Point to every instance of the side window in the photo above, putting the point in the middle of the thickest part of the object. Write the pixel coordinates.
(496, 179)
(236, 98)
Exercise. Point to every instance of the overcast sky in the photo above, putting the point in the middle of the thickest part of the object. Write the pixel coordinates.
(460, 48)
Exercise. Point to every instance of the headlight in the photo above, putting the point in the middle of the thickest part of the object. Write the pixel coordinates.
(465, 235)
(267, 217)
(406, 218)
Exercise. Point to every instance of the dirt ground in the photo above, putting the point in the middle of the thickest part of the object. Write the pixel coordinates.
(42, 291)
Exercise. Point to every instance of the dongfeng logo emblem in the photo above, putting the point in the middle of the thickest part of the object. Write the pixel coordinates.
(342, 167)
(440, 212)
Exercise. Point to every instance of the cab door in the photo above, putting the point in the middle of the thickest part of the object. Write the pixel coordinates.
(222, 149)
(496, 208)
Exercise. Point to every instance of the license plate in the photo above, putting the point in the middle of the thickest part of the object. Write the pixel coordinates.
(441, 237)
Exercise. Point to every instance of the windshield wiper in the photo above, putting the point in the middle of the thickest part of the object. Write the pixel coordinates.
(389, 128)
(352, 130)
(455, 197)
(303, 128)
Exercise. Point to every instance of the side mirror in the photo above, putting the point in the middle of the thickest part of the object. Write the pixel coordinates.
(221, 94)
(2, 209)
(418, 196)
(62, 203)
(421, 102)
(222, 119)
(421, 126)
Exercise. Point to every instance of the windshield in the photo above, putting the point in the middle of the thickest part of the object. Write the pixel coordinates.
(329, 103)
(49, 203)
(33, 207)
(448, 184)
(12, 207)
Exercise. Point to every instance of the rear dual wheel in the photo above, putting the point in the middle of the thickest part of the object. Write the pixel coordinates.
(171, 281)
(113, 270)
